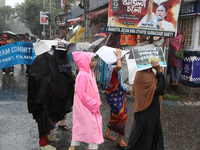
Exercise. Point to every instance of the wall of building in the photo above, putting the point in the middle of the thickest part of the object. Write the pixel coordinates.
(189, 20)
(2, 2)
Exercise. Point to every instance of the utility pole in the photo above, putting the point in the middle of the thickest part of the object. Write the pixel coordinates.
(86, 12)
(44, 25)
(50, 21)
(66, 19)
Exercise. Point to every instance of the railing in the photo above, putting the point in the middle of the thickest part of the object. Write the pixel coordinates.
(99, 70)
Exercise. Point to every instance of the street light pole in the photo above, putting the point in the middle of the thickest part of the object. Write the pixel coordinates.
(66, 19)
(50, 20)
(86, 11)
(44, 25)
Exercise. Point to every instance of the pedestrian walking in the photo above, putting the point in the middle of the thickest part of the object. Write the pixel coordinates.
(62, 125)
(50, 92)
(27, 39)
(4, 41)
(22, 39)
(87, 120)
(116, 91)
(148, 88)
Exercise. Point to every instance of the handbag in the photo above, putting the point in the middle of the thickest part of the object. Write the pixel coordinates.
(180, 53)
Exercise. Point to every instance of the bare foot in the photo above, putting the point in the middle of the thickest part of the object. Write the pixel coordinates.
(72, 148)
(106, 136)
(120, 141)
(64, 127)
(174, 82)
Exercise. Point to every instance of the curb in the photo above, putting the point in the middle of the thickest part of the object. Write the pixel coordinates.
(167, 102)
(178, 103)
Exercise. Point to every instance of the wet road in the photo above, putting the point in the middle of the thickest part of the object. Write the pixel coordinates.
(18, 131)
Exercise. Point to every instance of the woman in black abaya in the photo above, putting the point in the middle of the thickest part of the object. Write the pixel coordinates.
(50, 92)
(148, 88)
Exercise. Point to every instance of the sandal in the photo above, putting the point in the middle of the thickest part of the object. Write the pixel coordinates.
(48, 147)
(173, 83)
(122, 144)
(50, 138)
(110, 138)
(62, 127)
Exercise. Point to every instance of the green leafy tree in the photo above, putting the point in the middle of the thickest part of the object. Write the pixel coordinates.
(6, 13)
(28, 13)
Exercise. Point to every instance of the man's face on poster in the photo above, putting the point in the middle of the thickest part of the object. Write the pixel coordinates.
(161, 11)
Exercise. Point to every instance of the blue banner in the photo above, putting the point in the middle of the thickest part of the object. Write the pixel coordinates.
(196, 68)
(189, 9)
(16, 53)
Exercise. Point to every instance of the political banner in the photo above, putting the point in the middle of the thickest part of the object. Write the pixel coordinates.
(145, 17)
(143, 57)
(16, 53)
(186, 68)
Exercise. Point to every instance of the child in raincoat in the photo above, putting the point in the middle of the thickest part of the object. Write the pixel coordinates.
(87, 120)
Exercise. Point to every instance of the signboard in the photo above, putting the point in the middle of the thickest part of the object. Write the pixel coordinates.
(132, 40)
(143, 57)
(146, 17)
(62, 3)
(123, 40)
(189, 9)
(43, 18)
(16, 53)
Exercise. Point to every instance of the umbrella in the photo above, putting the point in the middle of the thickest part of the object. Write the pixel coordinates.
(102, 34)
(12, 35)
(43, 46)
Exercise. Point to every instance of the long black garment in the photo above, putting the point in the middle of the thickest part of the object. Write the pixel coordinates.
(146, 132)
(50, 89)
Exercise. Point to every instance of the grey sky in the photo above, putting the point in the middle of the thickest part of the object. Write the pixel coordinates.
(13, 2)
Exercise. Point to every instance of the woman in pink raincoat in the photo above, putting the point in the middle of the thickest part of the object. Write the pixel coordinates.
(87, 120)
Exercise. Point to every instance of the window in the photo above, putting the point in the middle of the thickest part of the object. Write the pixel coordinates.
(186, 24)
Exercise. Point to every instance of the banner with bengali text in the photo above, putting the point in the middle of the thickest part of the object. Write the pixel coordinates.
(145, 17)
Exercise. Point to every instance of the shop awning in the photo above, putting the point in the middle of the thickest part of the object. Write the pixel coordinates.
(94, 14)
(91, 15)
(71, 21)
(102, 34)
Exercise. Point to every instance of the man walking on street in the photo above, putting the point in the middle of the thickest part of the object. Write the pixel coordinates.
(9, 70)
(27, 40)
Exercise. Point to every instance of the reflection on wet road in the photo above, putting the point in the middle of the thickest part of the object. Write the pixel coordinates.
(18, 131)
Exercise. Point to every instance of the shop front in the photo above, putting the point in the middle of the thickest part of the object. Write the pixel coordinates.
(189, 20)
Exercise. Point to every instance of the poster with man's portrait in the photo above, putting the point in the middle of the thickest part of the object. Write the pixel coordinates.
(146, 17)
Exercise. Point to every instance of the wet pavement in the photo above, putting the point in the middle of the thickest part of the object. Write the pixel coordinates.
(18, 130)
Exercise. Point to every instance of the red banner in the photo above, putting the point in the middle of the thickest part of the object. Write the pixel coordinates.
(123, 40)
(146, 17)
(132, 40)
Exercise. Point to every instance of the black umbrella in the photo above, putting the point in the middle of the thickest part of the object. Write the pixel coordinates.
(12, 35)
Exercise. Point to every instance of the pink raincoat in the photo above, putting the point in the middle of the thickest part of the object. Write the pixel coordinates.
(87, 120)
